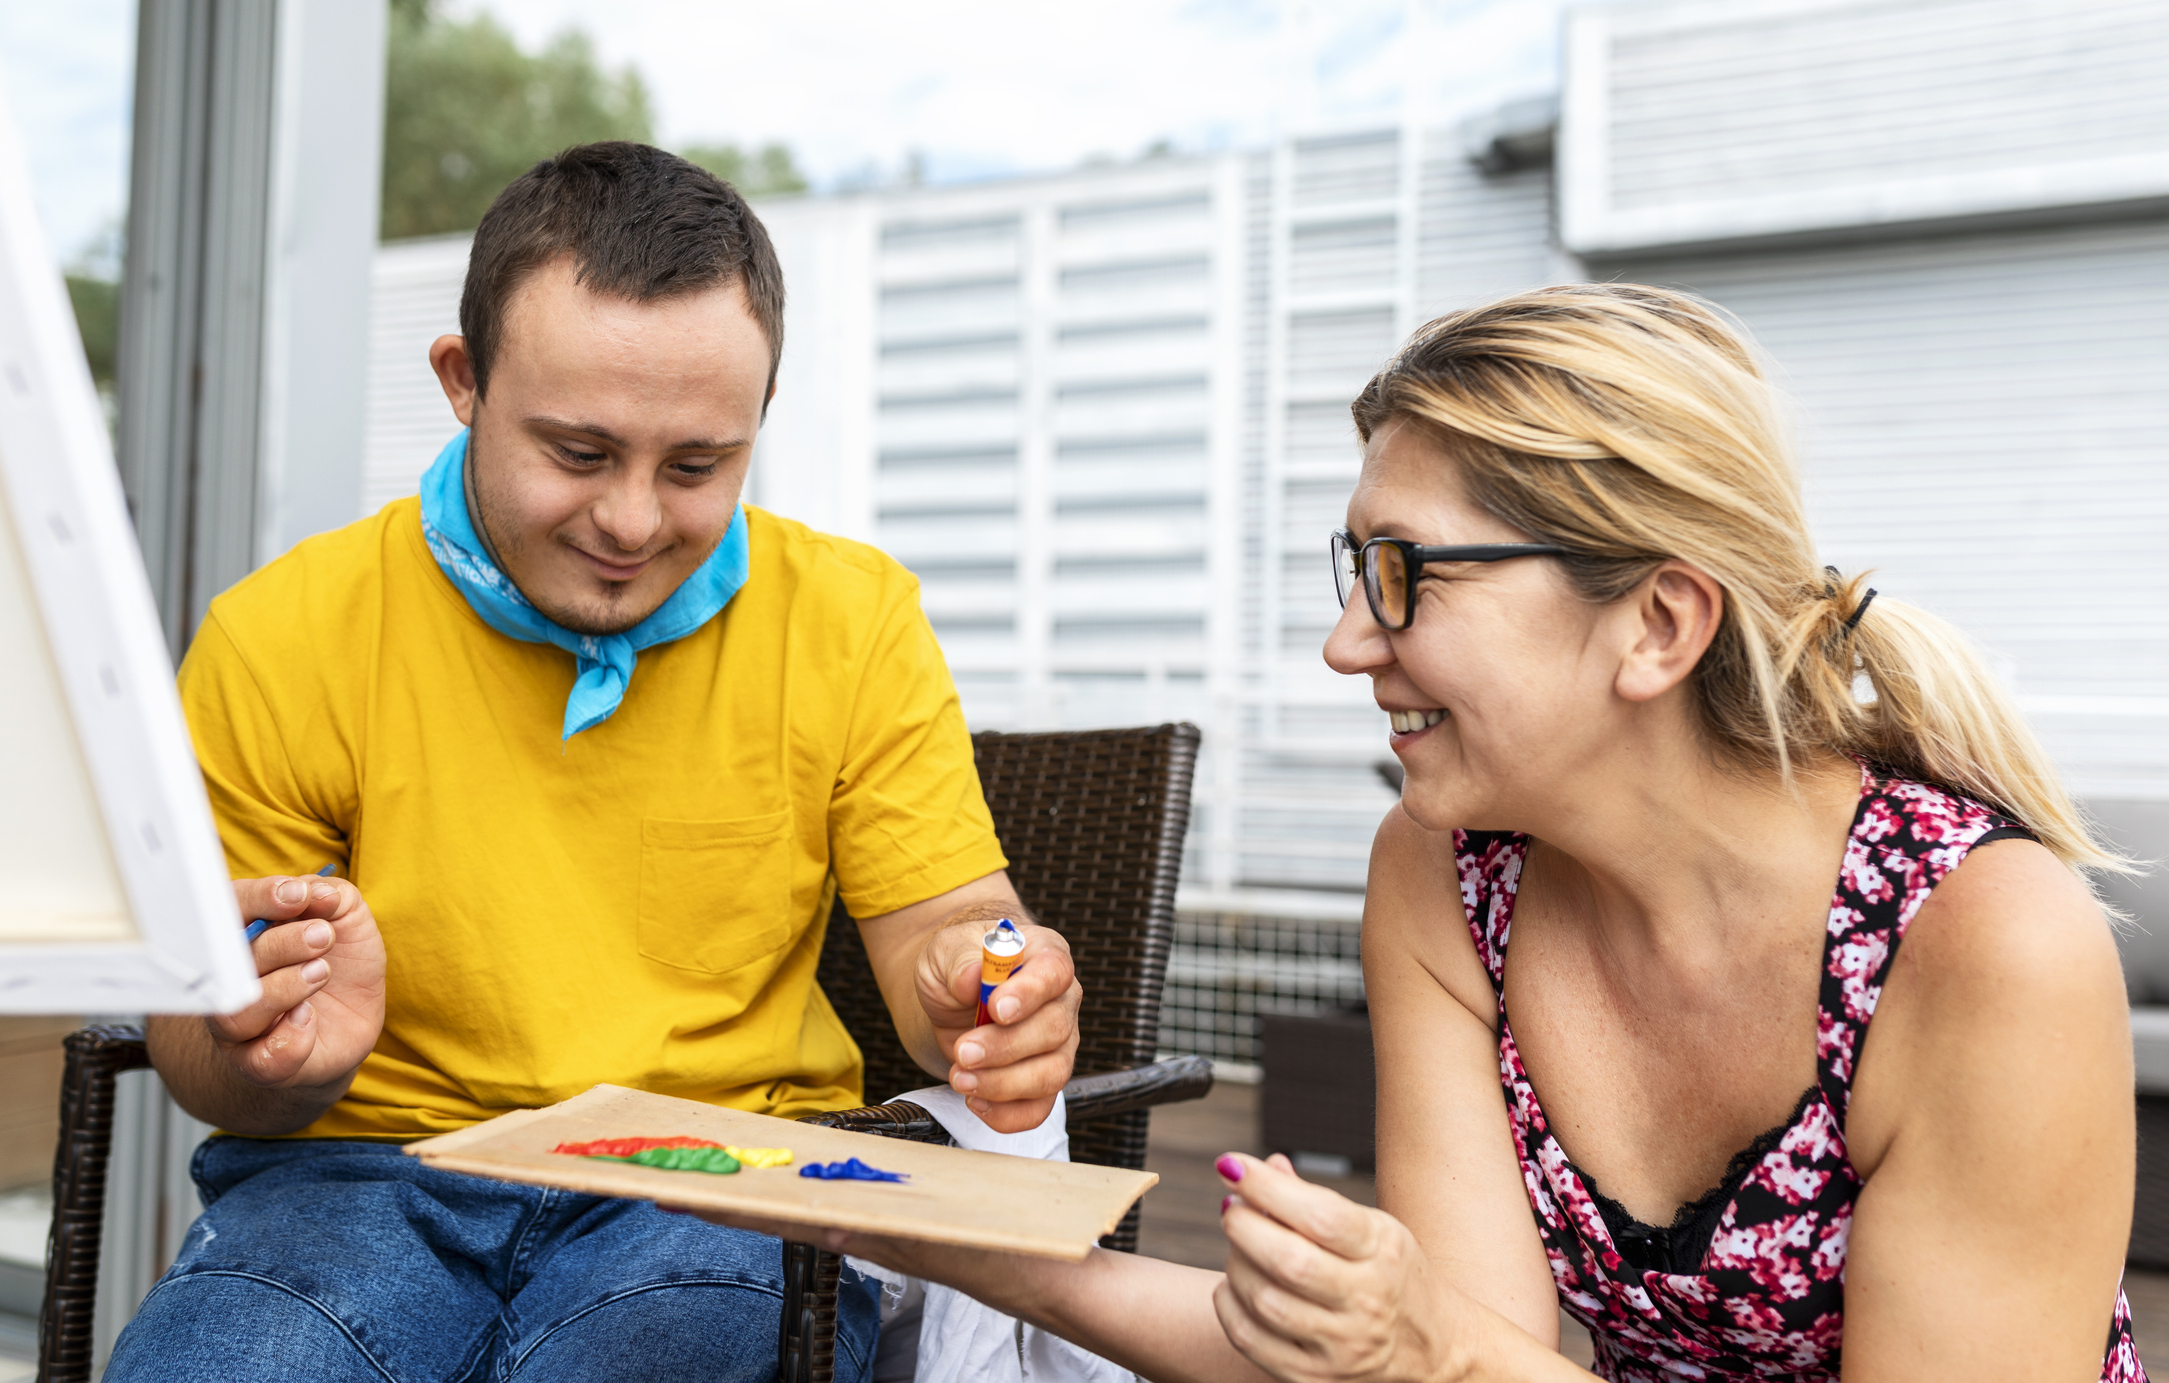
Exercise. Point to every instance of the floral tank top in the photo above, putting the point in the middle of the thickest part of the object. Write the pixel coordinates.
(1768, 1298)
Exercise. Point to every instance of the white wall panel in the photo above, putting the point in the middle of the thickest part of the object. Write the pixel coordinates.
(1131, 407)
(897, 488)
(1481, 237)
(1141, 531)
(414, 300)
(1097, 232)
(1361, 166)
(978, 422)
(969, 363)
(915, 253)
(1118, 479)
(1154, 346)
(1718, 119)
(1344, 255)
(1332, 354)
(1174, 285)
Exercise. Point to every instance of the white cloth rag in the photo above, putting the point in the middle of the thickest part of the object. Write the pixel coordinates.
(960, 1340)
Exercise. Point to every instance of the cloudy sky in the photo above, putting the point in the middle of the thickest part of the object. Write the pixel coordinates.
(984, 89)
(66, 72)
(976, 88)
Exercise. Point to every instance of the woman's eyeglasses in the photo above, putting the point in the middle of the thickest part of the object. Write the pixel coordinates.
(1389, 568)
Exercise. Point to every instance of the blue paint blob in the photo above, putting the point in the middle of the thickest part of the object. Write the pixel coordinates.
(850, 1169)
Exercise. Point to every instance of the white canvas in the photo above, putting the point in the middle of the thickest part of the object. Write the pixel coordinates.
(113, 889)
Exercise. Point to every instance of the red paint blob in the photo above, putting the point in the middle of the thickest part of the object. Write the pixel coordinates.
(626, 1147)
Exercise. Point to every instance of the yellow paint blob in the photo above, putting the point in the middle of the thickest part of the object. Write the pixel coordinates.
(760, 1157)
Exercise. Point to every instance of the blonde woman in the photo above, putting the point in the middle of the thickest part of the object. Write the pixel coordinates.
(1706, 787)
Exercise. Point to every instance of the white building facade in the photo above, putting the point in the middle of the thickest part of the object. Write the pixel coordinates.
(1104, 414)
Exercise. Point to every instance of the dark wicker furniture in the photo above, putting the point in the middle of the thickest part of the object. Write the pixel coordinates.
(1093, 824)
(95, 1057)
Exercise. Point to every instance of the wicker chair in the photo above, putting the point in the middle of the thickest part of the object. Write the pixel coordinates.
(1093, 824)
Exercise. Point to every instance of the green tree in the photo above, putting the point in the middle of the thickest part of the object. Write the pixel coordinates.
(770, 172)
(466, 112)
(97, 316)
(93, 279)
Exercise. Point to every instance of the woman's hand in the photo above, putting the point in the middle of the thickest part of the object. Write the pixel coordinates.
(1319, 1287)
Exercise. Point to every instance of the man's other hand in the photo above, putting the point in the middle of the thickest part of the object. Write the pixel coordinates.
(1009, 1070)
(322, 965)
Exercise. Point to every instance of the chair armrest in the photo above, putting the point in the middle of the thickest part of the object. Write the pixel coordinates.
(95, 1056)
(1088, 1097)
(897, 1120)
(1142, 1087)
(118, 1044)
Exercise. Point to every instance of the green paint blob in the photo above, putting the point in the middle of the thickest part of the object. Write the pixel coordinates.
(680, 1159)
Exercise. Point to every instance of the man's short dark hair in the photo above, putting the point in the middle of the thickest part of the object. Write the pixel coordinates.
(639, 223)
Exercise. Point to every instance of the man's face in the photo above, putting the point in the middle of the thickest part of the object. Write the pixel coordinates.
(607, 461)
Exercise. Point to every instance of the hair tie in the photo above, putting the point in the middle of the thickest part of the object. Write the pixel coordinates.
(1860, 609)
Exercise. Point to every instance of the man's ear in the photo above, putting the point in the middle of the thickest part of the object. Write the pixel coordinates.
(1678, 609)
(455, 372)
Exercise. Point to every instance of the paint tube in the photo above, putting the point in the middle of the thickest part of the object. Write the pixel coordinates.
(998, 952)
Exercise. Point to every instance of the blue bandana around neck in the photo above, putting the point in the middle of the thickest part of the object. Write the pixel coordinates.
(605, 660)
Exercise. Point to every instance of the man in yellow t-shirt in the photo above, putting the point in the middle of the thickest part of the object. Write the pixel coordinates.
(590, 747)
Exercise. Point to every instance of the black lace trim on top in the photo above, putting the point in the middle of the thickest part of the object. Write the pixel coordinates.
(1681, 1246)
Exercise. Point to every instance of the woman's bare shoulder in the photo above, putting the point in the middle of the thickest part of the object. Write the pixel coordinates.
(2009, 926)
(1413, 918)
(2008, 978)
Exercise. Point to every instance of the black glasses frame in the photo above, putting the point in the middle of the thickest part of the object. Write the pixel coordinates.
(1349, 555)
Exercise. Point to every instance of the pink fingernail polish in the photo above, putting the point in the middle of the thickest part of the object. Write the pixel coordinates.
(1225, 1202)
(1228, 1167)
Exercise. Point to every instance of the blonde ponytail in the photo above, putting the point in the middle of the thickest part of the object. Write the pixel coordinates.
(1633, 426)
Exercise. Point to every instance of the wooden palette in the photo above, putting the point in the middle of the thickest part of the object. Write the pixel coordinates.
(954, 1196)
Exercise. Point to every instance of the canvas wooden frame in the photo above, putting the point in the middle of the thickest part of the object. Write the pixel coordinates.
(95, 758)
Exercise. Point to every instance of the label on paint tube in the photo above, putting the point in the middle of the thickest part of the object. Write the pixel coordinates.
(998, 952)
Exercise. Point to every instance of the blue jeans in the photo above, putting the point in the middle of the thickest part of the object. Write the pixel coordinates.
(334, 1261)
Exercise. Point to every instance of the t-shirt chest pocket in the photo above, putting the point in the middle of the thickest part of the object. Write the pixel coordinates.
(715, 896)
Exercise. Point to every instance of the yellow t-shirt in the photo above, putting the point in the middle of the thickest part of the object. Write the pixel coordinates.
(642, 904)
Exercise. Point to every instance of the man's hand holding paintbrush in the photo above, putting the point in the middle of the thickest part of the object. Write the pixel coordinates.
(321, 1012)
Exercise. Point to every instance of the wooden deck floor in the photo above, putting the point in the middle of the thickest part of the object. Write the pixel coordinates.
(1182, 1213)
